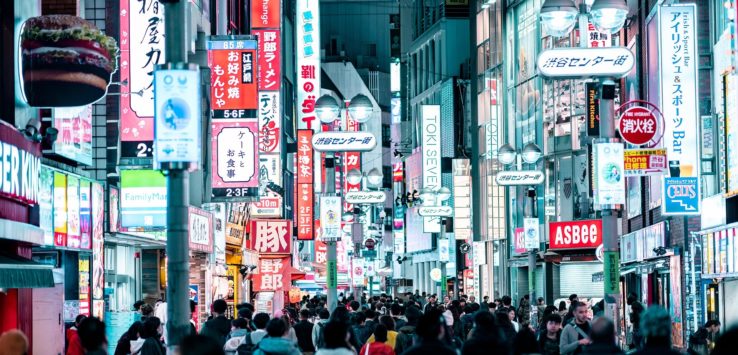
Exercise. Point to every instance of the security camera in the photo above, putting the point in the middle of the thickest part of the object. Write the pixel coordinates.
(33, 130)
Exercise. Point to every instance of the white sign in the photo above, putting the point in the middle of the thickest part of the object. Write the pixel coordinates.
(609, 178)
(357, 271)
(600, 253)
(436, 275)
(270, 118)
(74, 140)
(443, 250)
(330, 217)
(532, 233)
(436, 211)
(366, 197)
(177, 128)
(19, 173)
(344, 141)
(227, 141)
(146, 40)
(479, 253)
(270, 174)
(597, 39)
(399, 242)
(614, 62)
(713, 211)
(518, 178)
(307, 43)
(431, 145)
(199, 230)
(678, 54)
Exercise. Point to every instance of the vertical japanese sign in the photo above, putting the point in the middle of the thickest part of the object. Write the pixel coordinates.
(274, 275)
(233, 80)
(269, 70)
(305, 191)
(270, 180)
(431, 138)
(98, 267)
(678, 55)
(271, 236)
(270, 119)
(200, 230)
(597, 39)
(330, 218)
(265, 13)
(141, 49)
(60, 209)
(73, 232)
(235, 157)
(85, 215)
(308, 62)
(352, 161)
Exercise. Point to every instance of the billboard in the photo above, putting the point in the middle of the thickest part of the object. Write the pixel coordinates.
(141, 50)
(307, 38)
(270, 122)
(274, 275)
(60, 209)
(585, 234)
(270, 236)
(178, 122)
(233, 81)
(431, 138)
(74, 140)
(270, 59)
(143, 199)
(234, 157)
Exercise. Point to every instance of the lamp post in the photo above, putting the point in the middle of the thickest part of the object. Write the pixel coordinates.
(360, 109)
(608, 16)
(435, 198)
(531, 154)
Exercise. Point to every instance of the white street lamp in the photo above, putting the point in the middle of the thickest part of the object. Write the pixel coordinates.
(327, 109)
(531, 153)
(354, 177)
(360, 108)
(609, 15)
(444, 193)
(426, 195)
(374, 177)
(506, 154)
(558, 17)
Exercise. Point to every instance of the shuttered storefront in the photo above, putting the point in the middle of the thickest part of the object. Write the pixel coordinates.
(521, 282)
(577, 278)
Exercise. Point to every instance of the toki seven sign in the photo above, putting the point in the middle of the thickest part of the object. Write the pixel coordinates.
(571, 63)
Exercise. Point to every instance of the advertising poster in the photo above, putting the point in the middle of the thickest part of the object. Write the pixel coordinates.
(84, 285)
(143, 200)
(608, 174)
(141, 50)
(98, 260)
(46, 204)
(269, 59)
(270, 119)
(74, 140)
(236, 218)
(85, 215)
(73, 220)
(271, 236)
(307, 40)
(114, 210)
(234, 158)
(178, 123)
(233, 81)
(60, 209)
(330, 217)
(270, 180)
(200, 230)
(274, 275)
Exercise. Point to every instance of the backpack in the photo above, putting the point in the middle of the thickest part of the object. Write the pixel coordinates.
(246, 346)
(320, 343)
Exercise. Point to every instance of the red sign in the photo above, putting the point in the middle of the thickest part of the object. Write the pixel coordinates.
(232, 82)
(397, 172)
(305, 212)
(585, 234)
(638, 125)
(519, 243)
(370, 243)
(353, 161)
(274, 275)
(265, 13)
(269, 59)
(321, 252)
(304, 156)
(271, 236)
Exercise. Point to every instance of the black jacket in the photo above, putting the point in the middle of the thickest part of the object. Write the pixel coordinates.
(602, 349)
(217, 328)
(430, 347)
(304, 332)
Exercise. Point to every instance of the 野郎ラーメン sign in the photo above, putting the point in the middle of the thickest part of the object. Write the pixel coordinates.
(575, 234)
(274, 275)
(271, 236)
(233, 77)
(234, 161)
(177, 117)
(608, 174)
(639, 162)
(343, 141)
(142, 49)
(307, 66)
(585, 62)
(523, 177)
(200, 230)
(366, 197)
(270, 119)
(74, 140)
(269, 59)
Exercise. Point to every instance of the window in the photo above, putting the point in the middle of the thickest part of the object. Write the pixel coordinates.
(386, 136)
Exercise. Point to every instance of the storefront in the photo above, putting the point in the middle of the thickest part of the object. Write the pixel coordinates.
(576, 268)
(22, 281)
(201, 247)
(651, 270)
(720, 273)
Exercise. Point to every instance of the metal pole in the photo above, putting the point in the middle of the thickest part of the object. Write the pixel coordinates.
(609, 215)
(530, 212)
(331, 255)
(178, 198)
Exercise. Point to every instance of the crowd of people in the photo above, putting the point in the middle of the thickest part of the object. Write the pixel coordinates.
(415, 324)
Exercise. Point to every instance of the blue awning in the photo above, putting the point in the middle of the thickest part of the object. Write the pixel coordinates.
(17, 272)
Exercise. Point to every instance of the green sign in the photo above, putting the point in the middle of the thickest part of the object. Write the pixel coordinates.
(444, 284)
(331, 278)
(612, 272)
(369, 253)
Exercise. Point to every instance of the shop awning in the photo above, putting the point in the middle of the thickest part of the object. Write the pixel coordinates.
(17, 272)
(297, 274)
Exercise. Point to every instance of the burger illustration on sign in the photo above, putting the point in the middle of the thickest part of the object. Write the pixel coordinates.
(65, 61)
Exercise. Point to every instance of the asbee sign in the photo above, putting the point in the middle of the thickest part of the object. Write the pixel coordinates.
(571, 63)
(436, 211)
(344, 141)
(518, 178)
(585, 234)
(360, 197)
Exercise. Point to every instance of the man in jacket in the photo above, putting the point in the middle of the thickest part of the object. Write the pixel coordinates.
(317, 336)
(406, 334)
(219, 326)
(575, 335)
(304, 332)
(603, 338)
(430, 330)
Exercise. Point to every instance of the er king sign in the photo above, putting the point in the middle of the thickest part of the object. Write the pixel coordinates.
(585, 234)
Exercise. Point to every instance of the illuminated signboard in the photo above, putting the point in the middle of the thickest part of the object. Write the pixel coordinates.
(143, 199)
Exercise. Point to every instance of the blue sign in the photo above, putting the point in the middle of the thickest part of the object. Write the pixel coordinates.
(681, 196)
(177, 118)
(195, 293)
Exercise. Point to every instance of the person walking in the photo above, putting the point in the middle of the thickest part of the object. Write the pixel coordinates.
(237, 336)
(304, 332)
(575, 336)
(548, 341)
(656, 331)
(378, 344)
(603, 338)
(391, 335)
(219, 326)
(276, 341)
(150, 341)
(406, 335)
(123, 346)
(74, 346)
(430, 330)
(318, 335)
(92, 336)
(336, 336)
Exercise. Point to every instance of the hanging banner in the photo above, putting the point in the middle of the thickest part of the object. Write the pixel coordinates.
(74, 140)
(200, 230)
(233, 81)
(141, 50)
(177, 117)
(273, 275)
(270, 236)
(330, 218)
(270, 59)
(98, 255)
(532, 233)
(265, 13)
(307, 49)
(270, 119)
(234, 158)
(270, 181)
(305, 212)
(608, 174)
(678, 53)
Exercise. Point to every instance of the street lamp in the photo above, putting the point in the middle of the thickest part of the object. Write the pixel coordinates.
(374, 177)
(506, 154)
(609, 15)
(354, 176)
(327, 109)
(558, 17)
(531, 153)
(360, 108)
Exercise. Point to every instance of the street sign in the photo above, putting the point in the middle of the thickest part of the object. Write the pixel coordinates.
(369, 254)
(681, 196)
(177, 125)
(519, 178)
(532, 233)
(344, 141)
(370, 243)
(465, 248)
(436, 211)
(435, 275)
(640, 162)
(572, 63)
(638, 125)
(359, 197)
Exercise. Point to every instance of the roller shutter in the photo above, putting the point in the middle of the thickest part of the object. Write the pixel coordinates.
(577, 278)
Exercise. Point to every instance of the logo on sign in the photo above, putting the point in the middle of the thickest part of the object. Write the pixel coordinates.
(344, 141)
(638, 125)
(365, 197)
(517, 178)
(576, 234)
(585, 62)
(436, 211)
(681, 196)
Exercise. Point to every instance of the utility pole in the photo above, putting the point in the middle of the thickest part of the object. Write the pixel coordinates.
(331, 276)
(178, 198)
(530, 212)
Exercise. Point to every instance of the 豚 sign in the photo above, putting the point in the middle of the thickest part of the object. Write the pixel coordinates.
(564, 63)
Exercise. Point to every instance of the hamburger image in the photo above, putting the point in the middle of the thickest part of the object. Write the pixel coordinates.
(65, 61)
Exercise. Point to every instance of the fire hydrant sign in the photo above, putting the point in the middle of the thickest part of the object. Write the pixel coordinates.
(638, 126)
